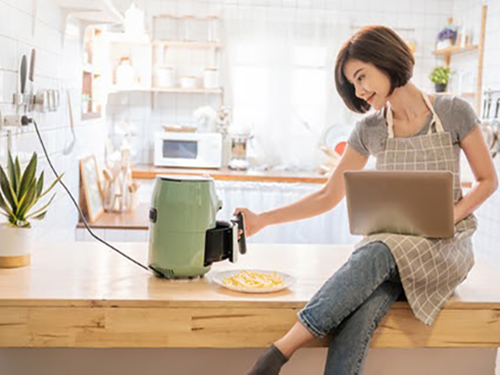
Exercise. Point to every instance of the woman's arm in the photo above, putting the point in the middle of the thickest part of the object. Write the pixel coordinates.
(322, 200)
(479, 158)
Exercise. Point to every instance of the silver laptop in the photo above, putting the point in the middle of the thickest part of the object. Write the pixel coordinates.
(404, 202)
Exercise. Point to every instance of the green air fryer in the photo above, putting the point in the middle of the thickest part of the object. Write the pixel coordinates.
(184, 236)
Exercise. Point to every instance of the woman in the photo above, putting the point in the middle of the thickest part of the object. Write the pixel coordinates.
(407, 131)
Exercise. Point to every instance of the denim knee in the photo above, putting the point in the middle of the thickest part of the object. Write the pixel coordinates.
(375, 251)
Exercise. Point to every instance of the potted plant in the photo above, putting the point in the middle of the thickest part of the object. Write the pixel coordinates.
(440, 77)
(20, 191)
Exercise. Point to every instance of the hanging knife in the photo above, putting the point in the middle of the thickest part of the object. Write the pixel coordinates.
(19, 99)
(32, 79)
(488, 110)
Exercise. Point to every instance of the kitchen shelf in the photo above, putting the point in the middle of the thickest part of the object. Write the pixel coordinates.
(125, 39)
(457, 50)
(187, 16)
(188, 91)
(454, 50)
(185, 44)
(91, 115)
(91, 76)
(464, 94)
(179, 90)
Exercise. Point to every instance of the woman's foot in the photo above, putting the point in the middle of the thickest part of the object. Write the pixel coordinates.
(270, 362)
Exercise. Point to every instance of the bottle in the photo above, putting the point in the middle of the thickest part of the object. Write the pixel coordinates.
(125, 73)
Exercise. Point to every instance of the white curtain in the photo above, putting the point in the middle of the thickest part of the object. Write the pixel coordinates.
(280, 80)
(329, 228)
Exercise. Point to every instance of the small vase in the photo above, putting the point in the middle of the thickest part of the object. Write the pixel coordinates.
(16, 246)
(440, 87)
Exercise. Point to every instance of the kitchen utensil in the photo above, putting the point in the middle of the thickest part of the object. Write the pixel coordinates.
(31, 80)
(219, 277)
(19, 97)
(32, 65)
(239, 147)
(184, 237)
(210, 78)
(68, 148)
(488, 107)
(125, 74)
(23, 74)
(165, 76)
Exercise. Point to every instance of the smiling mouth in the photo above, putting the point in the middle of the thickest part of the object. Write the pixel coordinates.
(370, 97)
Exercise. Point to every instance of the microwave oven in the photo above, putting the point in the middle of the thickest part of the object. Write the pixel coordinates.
(191, 150)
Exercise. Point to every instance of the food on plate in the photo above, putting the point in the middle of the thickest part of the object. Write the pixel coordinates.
(254, 280)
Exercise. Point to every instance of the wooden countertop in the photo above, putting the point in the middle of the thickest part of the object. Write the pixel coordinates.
(85, 295)
(137, 219)
(149, 172)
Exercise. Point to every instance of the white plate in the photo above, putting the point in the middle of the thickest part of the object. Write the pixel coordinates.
(219, 277)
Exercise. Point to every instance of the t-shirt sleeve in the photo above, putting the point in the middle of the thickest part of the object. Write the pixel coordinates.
(356, 141)
(465, 118)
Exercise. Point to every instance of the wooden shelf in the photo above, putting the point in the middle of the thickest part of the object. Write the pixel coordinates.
(464, 94)
(137, 219)
(178, 90)
(188, 91)
(187, 16)
(183, 44)
(454, 50)
(91, 115)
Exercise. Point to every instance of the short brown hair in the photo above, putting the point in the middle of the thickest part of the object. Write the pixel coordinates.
(380, 46)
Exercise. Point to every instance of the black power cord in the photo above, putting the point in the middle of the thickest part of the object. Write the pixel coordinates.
(26, 121)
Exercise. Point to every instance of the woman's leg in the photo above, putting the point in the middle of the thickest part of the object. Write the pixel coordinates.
(366, 269)
(350, 341)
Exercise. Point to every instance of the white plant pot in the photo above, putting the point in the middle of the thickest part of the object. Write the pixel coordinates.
(16, 245)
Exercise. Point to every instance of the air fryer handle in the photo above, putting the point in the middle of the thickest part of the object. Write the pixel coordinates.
(242, 238)
(222, 241)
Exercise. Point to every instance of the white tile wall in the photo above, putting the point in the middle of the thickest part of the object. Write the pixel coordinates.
(58, 66)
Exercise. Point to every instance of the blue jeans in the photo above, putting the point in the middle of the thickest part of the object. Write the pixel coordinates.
(351, 304)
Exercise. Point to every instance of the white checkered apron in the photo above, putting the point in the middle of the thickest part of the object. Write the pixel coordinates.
(430, 269)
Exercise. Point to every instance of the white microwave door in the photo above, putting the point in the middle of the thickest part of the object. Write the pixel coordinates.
(173, 149)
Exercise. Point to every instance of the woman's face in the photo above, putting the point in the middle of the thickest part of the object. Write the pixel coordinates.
(370, 83)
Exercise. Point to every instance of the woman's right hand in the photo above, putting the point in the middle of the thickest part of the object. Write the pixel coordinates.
(253, 222)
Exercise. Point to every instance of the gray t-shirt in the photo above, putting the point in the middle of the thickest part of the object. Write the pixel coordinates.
(370, 134)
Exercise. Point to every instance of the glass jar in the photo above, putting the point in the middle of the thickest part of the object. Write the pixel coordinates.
(213, 28)
(186, 26)
(210, 78)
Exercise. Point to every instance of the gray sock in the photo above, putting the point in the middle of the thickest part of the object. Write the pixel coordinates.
(270, 362)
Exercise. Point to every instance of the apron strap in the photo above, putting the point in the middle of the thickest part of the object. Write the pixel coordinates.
(390, 122)
(435, 118)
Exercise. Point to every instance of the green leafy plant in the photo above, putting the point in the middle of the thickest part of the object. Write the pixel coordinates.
(20, 191)
(440, 75)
